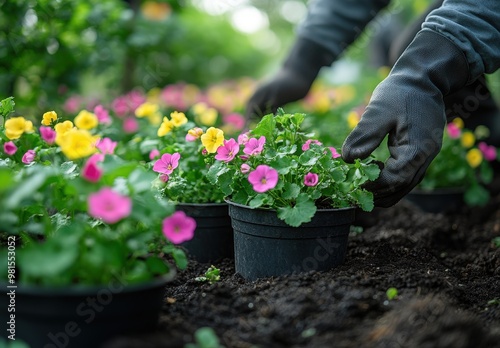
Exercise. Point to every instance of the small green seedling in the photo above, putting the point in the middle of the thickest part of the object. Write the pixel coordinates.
(496, 242)
(205, 337)
(212, 275)
(391, 293)
(494, 302)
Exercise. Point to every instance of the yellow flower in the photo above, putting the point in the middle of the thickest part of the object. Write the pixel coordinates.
(15, 127)
(195, 132)
(352, 119)
(48, 118)
(77, 143)
(321, 103)
(61, 129)
(166, 127)
(474, 157)
(28, 127)
(147, 109)
(208, 117)
(458, 122)
(212, 139)
(178, 118)
(86, 120)
(155, 119)
(199, 108)
(468, 139)
(344, 94)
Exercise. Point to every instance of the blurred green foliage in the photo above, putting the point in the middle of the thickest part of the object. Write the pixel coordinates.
(50, 49)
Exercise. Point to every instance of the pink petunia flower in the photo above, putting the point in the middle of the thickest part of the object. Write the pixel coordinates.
(237, 121)
(243, 139)
(130, 125)
(335, 154)
(29, 157)
(263, 178)
(48, 134)
(164, 177)
(96, 157)
(109, 205)
(106, 146)
(245, 168)
(227, 151)
(9, 148)
(136, 99)
(179, 227)
(154, 154)
(167, 163)
(254, 146)
(72, 104)
(489, 152)
(311, 179)
(308, 143)
(102, 114)
(453, 130)
(91, 171)
(120, 106)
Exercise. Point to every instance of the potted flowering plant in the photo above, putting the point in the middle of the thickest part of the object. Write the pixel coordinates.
(178, 157)
(86, 239)
(459, 172)
(291, 198)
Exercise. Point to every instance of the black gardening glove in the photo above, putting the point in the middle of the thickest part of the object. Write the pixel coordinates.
(293, 80)
(408, 106)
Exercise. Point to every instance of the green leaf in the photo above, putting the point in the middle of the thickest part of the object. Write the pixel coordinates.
(225, 180)
(157, 265)
(7, 106)
(486, 172)
(283, 164)
(265, 127)
(140, 179)
(291, 191)
(308, 158)
(476, 195)
(364, 199)
(372, 171)
(302, 212)
(257, 201)
(216, 170)
(338, 174)
(180, 258)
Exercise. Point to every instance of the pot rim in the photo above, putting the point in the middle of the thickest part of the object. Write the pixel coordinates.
(202, 204)
(269, 209)
(87, 290)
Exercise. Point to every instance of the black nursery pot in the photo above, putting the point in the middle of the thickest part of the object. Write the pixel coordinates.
(437, 201)
(213, 238)
(266, 246)
(83, 317)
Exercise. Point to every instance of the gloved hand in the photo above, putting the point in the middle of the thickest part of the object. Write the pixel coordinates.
(293, 80)
(408, 106)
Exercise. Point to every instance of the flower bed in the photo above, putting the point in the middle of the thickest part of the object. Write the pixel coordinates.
(445, 269)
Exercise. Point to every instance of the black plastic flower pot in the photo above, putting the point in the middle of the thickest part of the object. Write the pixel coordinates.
(437, 201)
(213, 237)
(83, 317)
(265, 246)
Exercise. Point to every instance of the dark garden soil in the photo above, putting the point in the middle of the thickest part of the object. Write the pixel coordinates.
(445, 268)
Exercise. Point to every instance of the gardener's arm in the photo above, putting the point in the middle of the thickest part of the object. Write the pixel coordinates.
(458, 42)
(330, 27)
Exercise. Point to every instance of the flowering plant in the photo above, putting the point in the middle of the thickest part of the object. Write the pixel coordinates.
(277, 166)
(464, 162)
(180, 156)
(87, 219)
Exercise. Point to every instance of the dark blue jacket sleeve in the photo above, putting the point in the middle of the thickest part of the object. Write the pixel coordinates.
(474, 26)
(335, 24)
